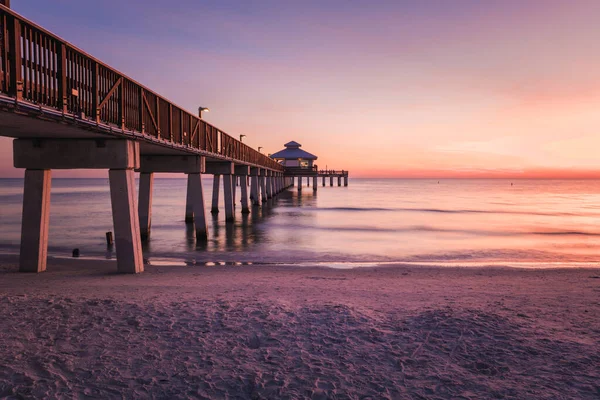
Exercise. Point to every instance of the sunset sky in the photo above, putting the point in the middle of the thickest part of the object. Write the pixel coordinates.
(381, 88)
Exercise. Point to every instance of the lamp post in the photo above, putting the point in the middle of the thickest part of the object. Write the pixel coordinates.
(241, 137)
(200, 110)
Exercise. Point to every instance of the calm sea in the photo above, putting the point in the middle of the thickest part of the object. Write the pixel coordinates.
(525, 223)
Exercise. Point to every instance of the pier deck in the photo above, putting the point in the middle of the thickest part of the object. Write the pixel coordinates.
(69, 110)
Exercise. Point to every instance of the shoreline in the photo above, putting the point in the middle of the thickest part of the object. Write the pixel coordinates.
(11, 258)
(81, 329)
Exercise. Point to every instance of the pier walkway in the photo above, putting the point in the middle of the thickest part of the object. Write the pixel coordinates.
(68, 110)
(315, 174)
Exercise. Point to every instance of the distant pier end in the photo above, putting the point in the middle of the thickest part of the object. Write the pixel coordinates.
(299, 163)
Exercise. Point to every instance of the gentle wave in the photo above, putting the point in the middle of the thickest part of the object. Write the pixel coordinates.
(448, 211)
(426, 228)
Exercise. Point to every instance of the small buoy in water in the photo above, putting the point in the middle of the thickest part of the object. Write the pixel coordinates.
(75, 252)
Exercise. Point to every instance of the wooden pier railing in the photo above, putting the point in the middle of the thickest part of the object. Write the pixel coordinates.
(40, 68)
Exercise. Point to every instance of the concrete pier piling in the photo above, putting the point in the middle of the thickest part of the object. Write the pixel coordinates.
(323, 181)
(189, 203)
(263, 186)
(125, 221)
(36, 220)
(243, 171)
(315, 183)
(40, 156)
(145, 203)
(331, 181)
(228, 197)
(215, 194)
(346, 180)
(339, 179)
(299, 183)
(196, 195)
(255, 186)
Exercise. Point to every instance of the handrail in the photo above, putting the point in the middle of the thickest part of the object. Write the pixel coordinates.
(39, 67)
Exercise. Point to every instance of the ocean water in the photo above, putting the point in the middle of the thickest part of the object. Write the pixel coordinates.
(527, 223)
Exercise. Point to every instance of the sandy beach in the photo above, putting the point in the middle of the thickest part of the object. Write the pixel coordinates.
(82, 331)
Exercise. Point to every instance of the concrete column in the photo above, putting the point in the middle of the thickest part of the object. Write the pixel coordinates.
(145, 203)
(323, 181)
(228, 197)
(263, 186)
(339, 181)
(346, 180)
(244, 190)
(254, 189)
(125, 221)
(36, 220)
(331, 181)
(215, 194)
(269, 185)
(189, 203)
(299, 183)
(234, 189)
(196, 194)
(315, 183)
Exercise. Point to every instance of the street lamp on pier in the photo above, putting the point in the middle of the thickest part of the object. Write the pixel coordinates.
(202, 109)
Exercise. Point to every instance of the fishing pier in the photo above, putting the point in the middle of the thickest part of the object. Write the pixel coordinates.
(68, 110)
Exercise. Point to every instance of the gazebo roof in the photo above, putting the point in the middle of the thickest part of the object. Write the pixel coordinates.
(293, 152)
(292, 145)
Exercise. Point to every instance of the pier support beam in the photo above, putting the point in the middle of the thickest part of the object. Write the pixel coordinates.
(269, 183)
(145, 203)
(263, 185)
(339, 181)
(299, 183)
(255, 186)
(228, 186)
(150, 164)
(120, 157)
(125, 221)
(215, 194)
(227, 170)
(331, 180)
(196, 197)
(323, 181)
(36, 220)
(315, 183)
(346, 180)
(243, 172)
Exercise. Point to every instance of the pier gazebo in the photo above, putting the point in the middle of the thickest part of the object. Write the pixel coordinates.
(293, 157)
(299, 163)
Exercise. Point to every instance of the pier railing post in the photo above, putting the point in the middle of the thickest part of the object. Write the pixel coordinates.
(36, 220)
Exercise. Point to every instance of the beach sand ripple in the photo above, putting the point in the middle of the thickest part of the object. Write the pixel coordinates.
(226, 348)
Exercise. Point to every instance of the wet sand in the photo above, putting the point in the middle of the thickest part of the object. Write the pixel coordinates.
(80, 330)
